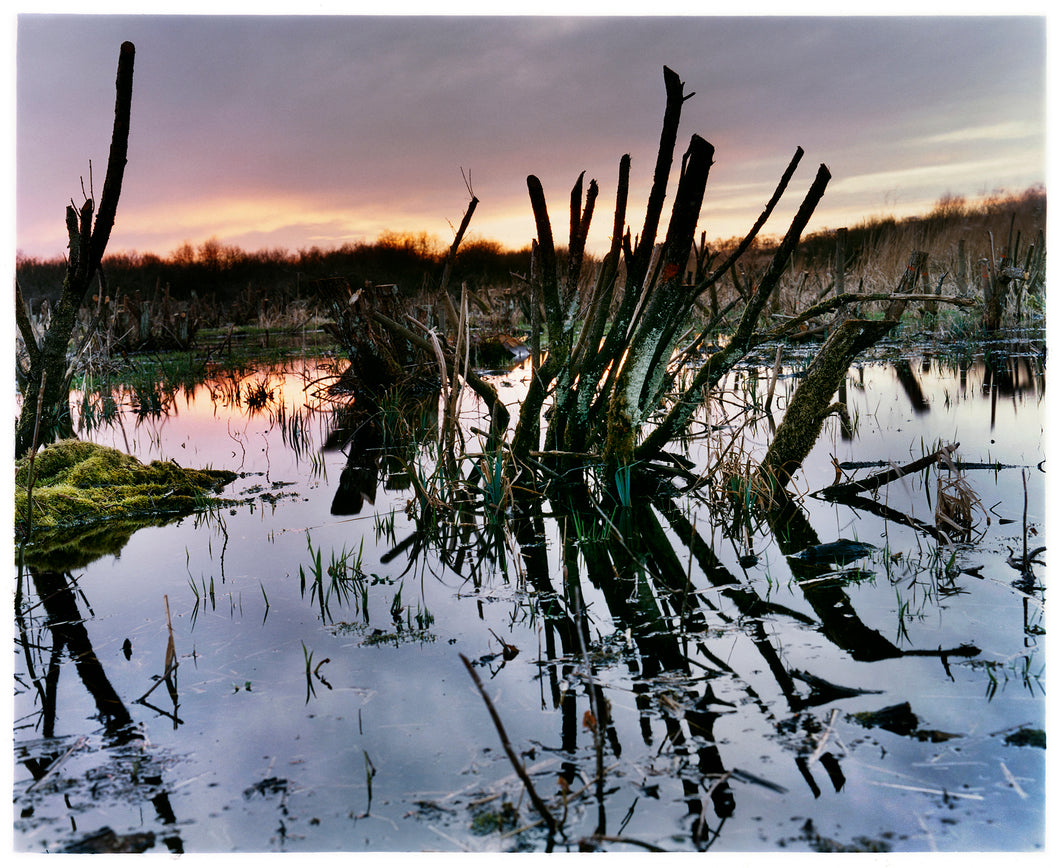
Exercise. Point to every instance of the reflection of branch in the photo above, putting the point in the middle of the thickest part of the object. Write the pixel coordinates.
(161, 680)
(541, 807)
(161, 711)
(622, 839)
(54, 767)
(68, 629)
(889, 513)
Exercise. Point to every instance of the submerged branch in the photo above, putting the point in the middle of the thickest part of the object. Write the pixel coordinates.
(539, 805)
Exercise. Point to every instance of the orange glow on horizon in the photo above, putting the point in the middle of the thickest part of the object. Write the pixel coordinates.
(252, 222)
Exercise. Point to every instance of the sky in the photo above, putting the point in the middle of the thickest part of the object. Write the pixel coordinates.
(292, 131)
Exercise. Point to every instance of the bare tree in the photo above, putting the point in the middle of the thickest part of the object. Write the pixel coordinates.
(46, 380)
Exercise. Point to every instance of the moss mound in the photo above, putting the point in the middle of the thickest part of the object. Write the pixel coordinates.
(78, 483)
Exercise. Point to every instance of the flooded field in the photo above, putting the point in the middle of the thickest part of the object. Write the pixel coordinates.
(287, 673)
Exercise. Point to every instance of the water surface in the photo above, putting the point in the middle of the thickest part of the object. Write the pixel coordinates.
(745, 687)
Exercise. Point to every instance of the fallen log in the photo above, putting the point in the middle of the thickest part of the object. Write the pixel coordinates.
(878, 480)
(811, 403)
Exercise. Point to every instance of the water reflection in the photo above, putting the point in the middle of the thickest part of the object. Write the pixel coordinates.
(695, 668)
(651, 593)
(131, 772)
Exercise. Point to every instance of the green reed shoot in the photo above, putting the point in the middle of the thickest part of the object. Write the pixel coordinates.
(343, 578)
(623, 484)
(384, 526)
(310, 690)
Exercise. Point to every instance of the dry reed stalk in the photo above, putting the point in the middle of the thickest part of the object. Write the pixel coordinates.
(773, 380)
(55, 766)
(823, 738)
(171, 653)
(956, 504)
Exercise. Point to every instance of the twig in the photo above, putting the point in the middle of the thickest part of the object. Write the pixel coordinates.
(824, 738)
(931, 791)
(1012, 781)
(538, 804)
(165, 675)
(450, 839)
(719, 781)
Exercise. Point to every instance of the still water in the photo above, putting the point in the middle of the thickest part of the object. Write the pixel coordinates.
(743, 697)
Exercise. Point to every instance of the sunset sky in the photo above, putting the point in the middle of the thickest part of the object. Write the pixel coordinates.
(294, 132)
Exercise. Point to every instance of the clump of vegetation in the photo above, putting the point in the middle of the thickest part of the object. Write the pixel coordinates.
(490, 822)
(1027, 737)
(73, 483)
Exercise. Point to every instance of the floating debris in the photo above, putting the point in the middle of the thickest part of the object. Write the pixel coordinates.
(840, 552)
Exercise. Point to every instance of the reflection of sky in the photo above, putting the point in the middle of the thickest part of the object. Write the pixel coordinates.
(209, 426)
(991, 421)
(413, 710)
(896, 423)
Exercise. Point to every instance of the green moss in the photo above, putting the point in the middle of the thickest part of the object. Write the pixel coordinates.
(621, 434)
(492, 822)
(76, 483)
(1027, 737)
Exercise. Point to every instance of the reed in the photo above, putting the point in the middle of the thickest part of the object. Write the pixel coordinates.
(342, 579)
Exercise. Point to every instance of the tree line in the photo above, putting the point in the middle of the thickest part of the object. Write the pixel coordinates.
(224, 273)
(415, 261)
